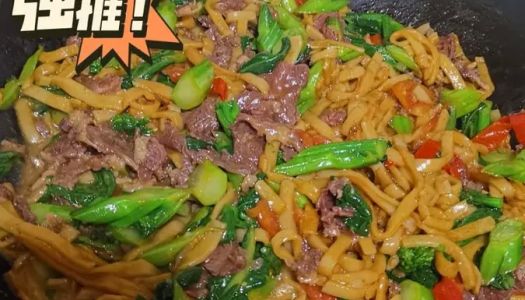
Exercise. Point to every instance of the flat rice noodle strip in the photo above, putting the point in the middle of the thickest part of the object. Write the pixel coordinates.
(157, 88)
(151, 282)
(58, 54)
(107, 283)
(55, 101)
(136, 268)
(26, 280)
(43, 236)
(87, 96)
(114, 297)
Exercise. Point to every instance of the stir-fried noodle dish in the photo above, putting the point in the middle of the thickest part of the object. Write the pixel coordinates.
(291, 150)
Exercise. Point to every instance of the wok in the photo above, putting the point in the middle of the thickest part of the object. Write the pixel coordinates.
(489, 28)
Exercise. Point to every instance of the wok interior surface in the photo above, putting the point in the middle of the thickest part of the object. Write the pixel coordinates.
(490, 28)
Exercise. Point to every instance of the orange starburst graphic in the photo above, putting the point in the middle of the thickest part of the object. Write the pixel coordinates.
(157, 32)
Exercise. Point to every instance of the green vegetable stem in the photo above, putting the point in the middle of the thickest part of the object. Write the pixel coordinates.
(307, 96)
(12, 87)
(512, 168)
(504, 251)
(269, 31)
(127, 208)
(341, 155)
(402, 124)
(400, 55)
(475, 121)
(208, 183)
(166, 9)
(165, 253)
(319, 6)
(411, 290)
(42, 210)
(463, 101)
(193, 86)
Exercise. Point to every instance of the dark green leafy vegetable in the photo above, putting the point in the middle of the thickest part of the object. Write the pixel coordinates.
(280, 158)
(164, 290)
(56, 90)
(247, 43)
(486, 206)
(463, 101)
(102, 186)
(248, 200)
(480, 199)
(196, 144)
(319, 6)
(269, 32)
(103, 244)
(256, 282)
(308, 93)
(402, 124)
(360, 24)
(7, 160)
(503, 281)
(265, 62)
(223, 142)
(227, 113)
(129, 124)
(95, 67)
(477, 120)
(165, 79)
(235, 180)
(234, 218)
(359, 223)
(12, 87)
(147, 70)
(418, 265)
(341, 155)
(189, 276)
(479, 213)
(504, 251)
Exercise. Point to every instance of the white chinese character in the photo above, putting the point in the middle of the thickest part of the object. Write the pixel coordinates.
(60, 14)
(83, 15)
(29, 11)
(112, 13)
(97, 15)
